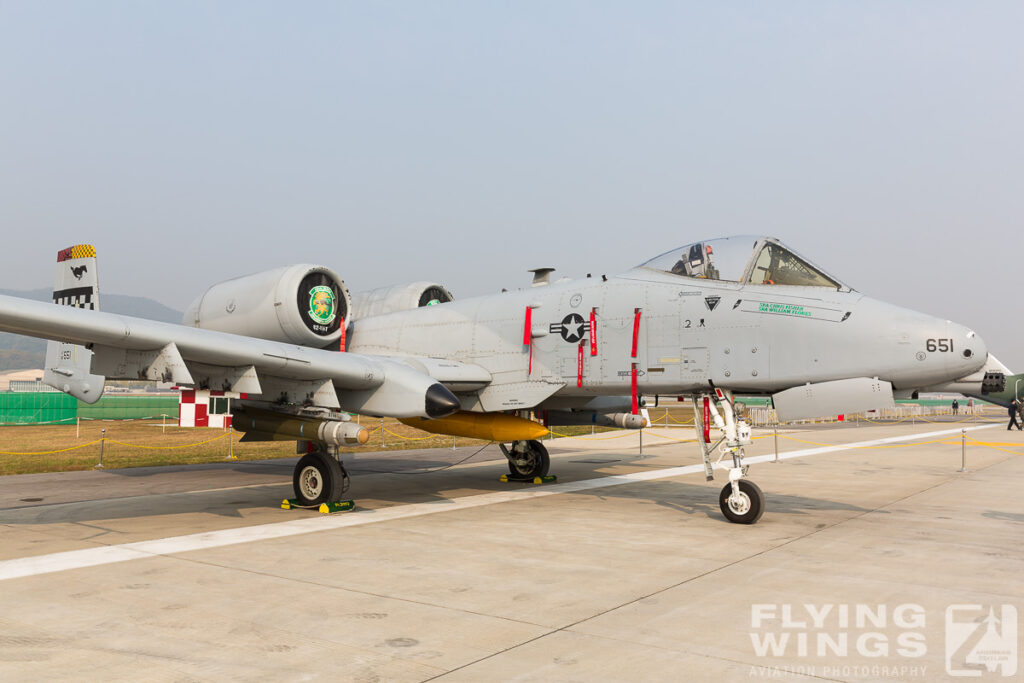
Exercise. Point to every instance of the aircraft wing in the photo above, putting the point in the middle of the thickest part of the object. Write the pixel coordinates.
(124, 347)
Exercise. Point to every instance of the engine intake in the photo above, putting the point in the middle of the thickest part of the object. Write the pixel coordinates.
(386, 300)
(301, 304)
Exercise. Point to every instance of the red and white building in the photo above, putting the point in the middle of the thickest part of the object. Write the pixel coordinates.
(206, 408)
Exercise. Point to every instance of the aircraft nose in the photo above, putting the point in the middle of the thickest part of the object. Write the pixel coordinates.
(969, 349)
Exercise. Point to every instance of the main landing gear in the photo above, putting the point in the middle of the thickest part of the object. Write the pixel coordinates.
(741, 501)
(527, 459)
(319, 478)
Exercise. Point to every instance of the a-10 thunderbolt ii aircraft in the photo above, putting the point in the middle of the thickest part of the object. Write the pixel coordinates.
(708, 320)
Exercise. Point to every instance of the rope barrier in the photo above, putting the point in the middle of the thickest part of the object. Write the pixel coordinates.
(1001, 446)
(168, 448)
(592, 438)
(60, 450)
(669, 438)
(945, 422)
(409, 438)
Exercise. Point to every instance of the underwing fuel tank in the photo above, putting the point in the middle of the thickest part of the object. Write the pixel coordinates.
(832, 398)
(271, 426)
(486, 426)
(580, 418)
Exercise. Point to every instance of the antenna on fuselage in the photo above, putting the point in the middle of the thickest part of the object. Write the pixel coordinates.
(541, 276)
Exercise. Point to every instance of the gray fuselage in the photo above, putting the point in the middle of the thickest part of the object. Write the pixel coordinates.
(750, 338)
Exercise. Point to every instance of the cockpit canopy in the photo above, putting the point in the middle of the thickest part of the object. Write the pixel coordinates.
(745, 259)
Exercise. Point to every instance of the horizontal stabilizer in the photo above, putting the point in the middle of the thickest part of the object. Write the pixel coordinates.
(67, 370)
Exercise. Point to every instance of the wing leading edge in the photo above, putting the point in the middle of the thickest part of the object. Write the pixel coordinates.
(133, 348)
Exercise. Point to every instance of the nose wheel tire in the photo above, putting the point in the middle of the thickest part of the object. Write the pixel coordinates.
(530, 461)
(745, 507)
(318, 478)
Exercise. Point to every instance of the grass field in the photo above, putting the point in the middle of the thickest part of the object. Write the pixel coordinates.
(143, 443)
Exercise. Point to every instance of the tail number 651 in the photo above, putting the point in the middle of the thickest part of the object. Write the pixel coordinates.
(940, 345)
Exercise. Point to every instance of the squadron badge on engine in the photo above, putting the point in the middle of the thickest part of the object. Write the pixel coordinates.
(321, 305)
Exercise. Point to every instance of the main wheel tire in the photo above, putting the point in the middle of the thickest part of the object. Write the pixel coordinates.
(534, 462)
(317, 479)
(747, 508)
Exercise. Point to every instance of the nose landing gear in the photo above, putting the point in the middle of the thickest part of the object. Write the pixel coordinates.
(741, 500)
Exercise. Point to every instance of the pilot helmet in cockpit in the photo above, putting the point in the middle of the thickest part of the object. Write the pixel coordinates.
(698, 261)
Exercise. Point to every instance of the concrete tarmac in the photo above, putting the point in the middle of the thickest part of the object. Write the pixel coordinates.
(877, 562)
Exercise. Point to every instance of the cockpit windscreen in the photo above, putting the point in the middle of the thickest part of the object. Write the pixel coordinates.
(757, 260)
(719, 259)
(776, 265)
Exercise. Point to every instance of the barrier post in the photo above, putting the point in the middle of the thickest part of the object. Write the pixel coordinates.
(78, 426)
(103, 440)
(453, 443)
(963, 450)
(382, 432)
(775, 430)
(231, 445)
(163, 427)
(641, 441)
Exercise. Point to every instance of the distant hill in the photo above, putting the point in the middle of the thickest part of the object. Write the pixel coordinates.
(18, 352)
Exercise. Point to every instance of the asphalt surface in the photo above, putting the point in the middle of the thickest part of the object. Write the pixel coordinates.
(623, 570)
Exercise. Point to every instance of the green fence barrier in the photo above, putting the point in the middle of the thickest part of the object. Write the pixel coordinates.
(37, 408)
(45, 408)
(113, 407)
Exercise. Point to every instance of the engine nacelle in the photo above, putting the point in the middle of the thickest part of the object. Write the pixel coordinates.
(398, 298)
(301, 304)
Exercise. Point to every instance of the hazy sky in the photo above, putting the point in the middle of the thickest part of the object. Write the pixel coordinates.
(469, 141)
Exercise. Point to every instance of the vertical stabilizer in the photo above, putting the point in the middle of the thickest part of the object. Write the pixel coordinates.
(76, 284)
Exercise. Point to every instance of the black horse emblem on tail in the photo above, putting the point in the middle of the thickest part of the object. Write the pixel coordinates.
(79, 271)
